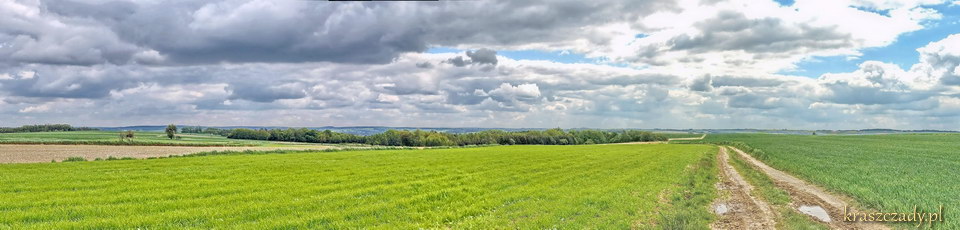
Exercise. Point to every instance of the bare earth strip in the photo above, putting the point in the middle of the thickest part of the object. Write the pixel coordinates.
(737, 207)
(45, 153)
(806, 194)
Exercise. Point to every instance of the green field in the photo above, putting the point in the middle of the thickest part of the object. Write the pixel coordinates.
(882, 172)
(680, 135)
(597, 186)
(142, 138)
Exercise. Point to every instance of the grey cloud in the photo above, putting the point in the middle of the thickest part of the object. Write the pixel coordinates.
(457, 61)
(751, 100)
(479, 57)
(208, 32)
(702, 84)
(733, 31)
(483, 56)
(112, 10)
(510, 23)
(266, 92)
(69, 83)
(466, 98)
(425, 65)
(748, 81)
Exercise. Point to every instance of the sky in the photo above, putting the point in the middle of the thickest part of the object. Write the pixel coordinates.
(802, 64)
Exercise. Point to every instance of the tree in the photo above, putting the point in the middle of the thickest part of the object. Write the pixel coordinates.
(126, 135)
(171, 131)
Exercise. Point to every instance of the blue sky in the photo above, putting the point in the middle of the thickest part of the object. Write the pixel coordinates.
(902, 52)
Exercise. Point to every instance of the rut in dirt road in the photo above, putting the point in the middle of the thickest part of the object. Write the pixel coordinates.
(737, 207)
(804, 194)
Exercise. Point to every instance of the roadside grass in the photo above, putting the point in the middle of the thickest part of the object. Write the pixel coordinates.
(888, 173)
(688, 206)
(501, 187)
(766, 189)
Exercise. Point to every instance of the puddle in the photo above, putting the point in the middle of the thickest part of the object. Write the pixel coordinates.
(720, 208)
(815, 211)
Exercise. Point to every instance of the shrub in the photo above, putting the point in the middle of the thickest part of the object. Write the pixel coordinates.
(70, 159)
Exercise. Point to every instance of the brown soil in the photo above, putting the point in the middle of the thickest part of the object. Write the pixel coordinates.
(803, 193)
(45, 153)
(743, 210)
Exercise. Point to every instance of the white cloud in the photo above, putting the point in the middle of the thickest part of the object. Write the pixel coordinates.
(36, 109)
(26, 75)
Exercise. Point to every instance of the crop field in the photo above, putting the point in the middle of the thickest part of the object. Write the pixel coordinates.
(882, 172)
(142, 138)
(680, 135)
(605, 187)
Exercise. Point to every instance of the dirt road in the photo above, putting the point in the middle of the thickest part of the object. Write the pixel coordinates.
(45, 153)
(736, 206)
(806, 194)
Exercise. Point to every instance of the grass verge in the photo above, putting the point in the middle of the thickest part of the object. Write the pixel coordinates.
(688, 205)
(766, 189)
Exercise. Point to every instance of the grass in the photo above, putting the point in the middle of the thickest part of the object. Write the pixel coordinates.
(688, 201)
(526, 187)
(765, 188)
(142, 138)
(890, 173)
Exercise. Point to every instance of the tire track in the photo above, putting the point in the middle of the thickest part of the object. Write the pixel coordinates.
(737, 207)
(806, 194)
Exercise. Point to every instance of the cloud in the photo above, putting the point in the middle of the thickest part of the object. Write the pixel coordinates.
(510, 93)
(703, 83)
(670, 64)
(873, 83)
(266, 92)
(457, 61)
(237, 31)
(483, 56)
(940, 60)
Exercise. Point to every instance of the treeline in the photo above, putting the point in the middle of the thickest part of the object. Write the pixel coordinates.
(433, 138)
(45, 128)
(198, 129)
(295, 135)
